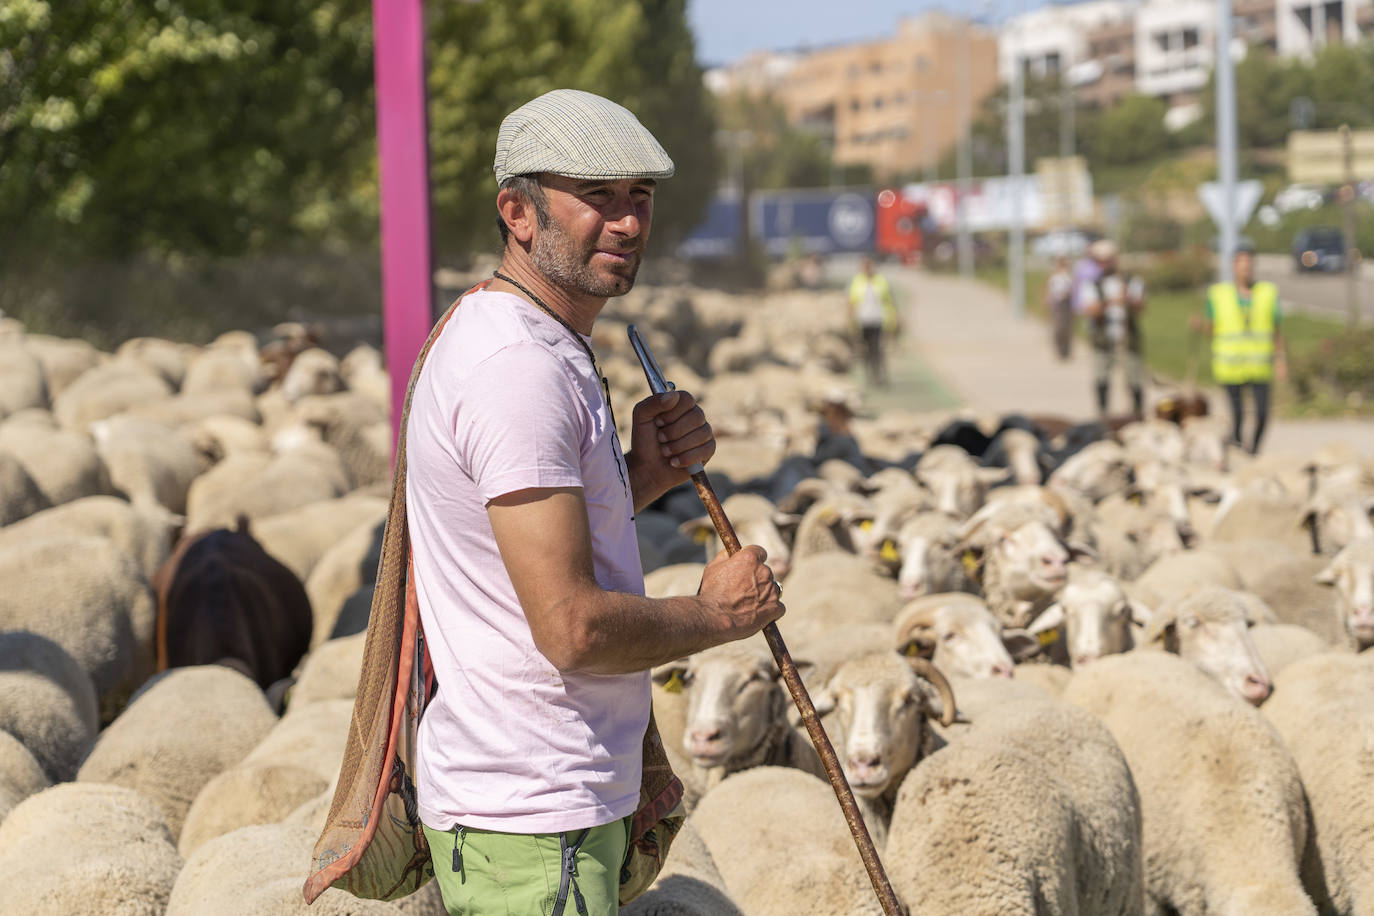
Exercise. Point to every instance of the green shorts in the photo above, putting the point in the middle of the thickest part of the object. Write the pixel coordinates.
(482, 872)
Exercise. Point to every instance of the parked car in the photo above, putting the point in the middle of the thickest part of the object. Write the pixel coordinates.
(1319, 248)
(1298, 197)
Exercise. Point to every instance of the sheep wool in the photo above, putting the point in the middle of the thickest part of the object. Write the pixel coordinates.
(21, 775)
(20, 496)
(50, 704)
(782, 847)
(143, 532)
(300, 538)
(1225, 820)
(63, 464)
(689, 885)
(178, 734)
(1033, 810)
(1321, 708)
(84, 849)
(89, 597)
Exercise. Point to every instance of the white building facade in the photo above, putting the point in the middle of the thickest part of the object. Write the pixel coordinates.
(1054, 38)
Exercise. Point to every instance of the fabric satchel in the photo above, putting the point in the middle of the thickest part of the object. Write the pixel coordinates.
(373, 844)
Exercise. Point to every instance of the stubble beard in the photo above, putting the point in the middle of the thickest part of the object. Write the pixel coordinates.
(558, 257)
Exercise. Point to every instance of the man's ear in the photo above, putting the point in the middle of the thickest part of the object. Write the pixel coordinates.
(518, 213)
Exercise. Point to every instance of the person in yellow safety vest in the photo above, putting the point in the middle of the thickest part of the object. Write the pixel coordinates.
(1242, 319)
(872, 313)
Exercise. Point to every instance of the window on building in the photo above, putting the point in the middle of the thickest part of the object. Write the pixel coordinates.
(1190, 39)
(1161, 40)
(1052, 62)
(921, 63)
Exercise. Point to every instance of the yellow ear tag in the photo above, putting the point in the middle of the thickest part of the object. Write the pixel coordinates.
(1136, 498)
(912, 650)
(889, 551)
(1046, 637)
(866, 525)
(702, 535)
(970, 562)
(674, 683)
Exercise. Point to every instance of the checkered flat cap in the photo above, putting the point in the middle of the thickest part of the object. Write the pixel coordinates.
(578, 135)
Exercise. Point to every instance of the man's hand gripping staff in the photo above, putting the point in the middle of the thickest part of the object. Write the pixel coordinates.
(660, 385)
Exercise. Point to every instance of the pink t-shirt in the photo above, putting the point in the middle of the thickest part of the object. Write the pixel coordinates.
(508, 400)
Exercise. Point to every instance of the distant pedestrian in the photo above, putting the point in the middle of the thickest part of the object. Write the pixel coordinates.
(1242, 318)
(873, 314)
(1059, 304)
(1112, 304)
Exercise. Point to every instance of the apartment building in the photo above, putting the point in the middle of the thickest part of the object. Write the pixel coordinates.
(1054, 39)
(896, 104)
(1304, 26)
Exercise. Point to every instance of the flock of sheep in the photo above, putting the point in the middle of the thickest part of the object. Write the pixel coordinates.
(1065, 672)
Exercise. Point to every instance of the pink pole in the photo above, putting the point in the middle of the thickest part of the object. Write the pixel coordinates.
(403, 150)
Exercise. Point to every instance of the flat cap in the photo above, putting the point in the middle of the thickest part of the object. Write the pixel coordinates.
(579, 135)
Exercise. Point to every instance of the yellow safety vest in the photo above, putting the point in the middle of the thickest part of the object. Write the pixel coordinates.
(1243, 351)
(859, 285)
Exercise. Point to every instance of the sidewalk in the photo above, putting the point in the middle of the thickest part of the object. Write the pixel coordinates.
(963, 334)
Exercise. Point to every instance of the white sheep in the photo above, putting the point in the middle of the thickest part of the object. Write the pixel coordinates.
(813, 870)
(960, 636)
(956, 482)
(22, 385)
(21, 775)
(1032, 810)
(20, 496)
(299, 538)
(1281, 644)
(1176, 574)
(89, 597)
(929, 559)
(1337, 515)
(63, 360)
(363, 372)
(189, 725)
(1352, 573)
(62, 463)
(50, 704)
(1210, 627)
(1095, 472)
(341, 579)
(144, 532)
(1321, 708)
(216, 437)
(1220, 797)
(837, 523)
(330, 671)
(262, 485)
(674, 579)
(881, 702)
(149, 463)
(231, 364)
(189, 408)
(737, 712)
(756, 521)
(168, 358)
(1096, 615)
(105, 390)
(1021, 559)
(297, 761)
(84, 849)
(261, 869)
(353, 424)
(689, 884)
(1286, 580)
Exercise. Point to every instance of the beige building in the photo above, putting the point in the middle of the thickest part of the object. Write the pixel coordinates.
(892, 103)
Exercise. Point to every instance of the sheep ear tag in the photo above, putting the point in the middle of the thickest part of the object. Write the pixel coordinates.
(970, 562)
(889, 551)
(866, 525)
(701, 536)
(673, 684)
(1046, 637)
(912, 650)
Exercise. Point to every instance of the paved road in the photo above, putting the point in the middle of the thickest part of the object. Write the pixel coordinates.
(1317, 293)
(965, 346)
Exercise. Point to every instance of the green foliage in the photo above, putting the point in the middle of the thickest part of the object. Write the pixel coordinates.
(1340, 368)
(1175, 271)
(1131, 131)
(486, 59)
(185, 125)
(776, 155)
(1147, 230)
(1044, 109)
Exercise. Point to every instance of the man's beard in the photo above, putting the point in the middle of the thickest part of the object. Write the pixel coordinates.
(558, 257)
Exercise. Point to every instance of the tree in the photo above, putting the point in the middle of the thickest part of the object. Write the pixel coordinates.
(1043, 108)
(486, 59)
(777, 154)
(185, 125)
(1131, 131)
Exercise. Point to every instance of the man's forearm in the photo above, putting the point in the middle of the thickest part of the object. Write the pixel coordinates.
(607, 632)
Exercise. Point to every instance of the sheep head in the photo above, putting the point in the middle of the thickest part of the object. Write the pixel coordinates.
(1210, 627)
(1097, 615)
(882, 701)
(1351, 572)
(960, 636)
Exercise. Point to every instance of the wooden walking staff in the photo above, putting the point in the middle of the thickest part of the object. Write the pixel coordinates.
(658, 384)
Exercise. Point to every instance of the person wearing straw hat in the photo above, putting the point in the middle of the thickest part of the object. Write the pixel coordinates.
(521, 510)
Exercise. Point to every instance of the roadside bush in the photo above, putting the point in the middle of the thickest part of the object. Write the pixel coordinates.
(1147, 231)
(1339, 368)
(1180, 271)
